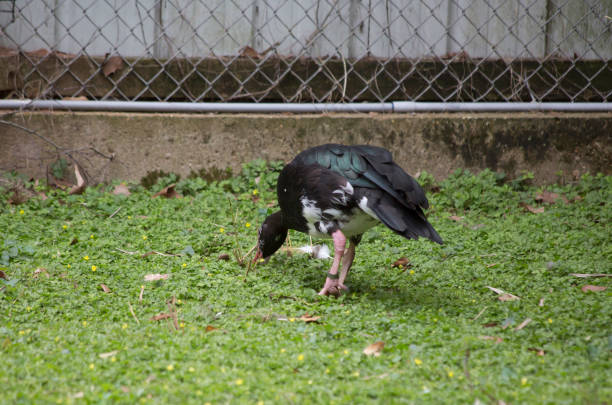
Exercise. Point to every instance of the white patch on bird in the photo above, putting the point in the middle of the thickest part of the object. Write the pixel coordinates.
(332, 212)
(359, 222)
(324, 226)
(341, 196)
(310, 211)
(363, 204)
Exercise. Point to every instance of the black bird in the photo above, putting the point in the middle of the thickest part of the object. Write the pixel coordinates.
(340, 192)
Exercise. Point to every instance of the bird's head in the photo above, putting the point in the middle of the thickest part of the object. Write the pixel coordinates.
(272, 234)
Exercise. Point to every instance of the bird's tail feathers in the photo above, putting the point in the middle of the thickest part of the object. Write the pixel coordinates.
(409, 223)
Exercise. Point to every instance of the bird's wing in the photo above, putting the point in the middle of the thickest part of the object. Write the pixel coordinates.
(370, 167)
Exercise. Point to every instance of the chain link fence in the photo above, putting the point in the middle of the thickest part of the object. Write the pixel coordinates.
(307, 51)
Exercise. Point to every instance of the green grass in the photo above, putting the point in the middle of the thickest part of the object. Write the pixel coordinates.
(53, 329)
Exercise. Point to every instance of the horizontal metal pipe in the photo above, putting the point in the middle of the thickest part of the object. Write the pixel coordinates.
(396, 106)
(411, 106)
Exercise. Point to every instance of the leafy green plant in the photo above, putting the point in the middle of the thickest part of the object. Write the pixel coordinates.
(200, 331)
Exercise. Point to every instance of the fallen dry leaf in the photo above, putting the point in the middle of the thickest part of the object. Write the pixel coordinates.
(168, 192)
(80, 186)
(374, 349)
(588, 275)
(309, 318)
(105, 288)
(125, 389)
(402, 261)
(523, 324)
(531, 209)
(3, 275)
(210, 328)
(161, 316)
(108, 354)
(155, 277)
(593, 288)
(223, 256)
(497, 339)
(74, 241)
(111, 65)
(539, 352)
(490, 324)
(507, 297)
(503, 296)
(456, 218)
(40, 270)
(121, 189)
(549, 197)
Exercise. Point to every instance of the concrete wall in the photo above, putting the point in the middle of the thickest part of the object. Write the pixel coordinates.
(543, 143)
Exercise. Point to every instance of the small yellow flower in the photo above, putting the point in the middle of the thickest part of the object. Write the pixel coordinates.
(283, 350)
(412, 272)
(450, 374)
(169, 367)
(64, 226)
(94, 268)
(347, 312)
(255, 192)
(124, 326)
(21, 212)
(418, 362)
(184, 264)
(356, 374)
(239, 381)
(221, 230)
(260, 402)
(179, 302)
(85, 257)
(291, 319)
(191, 369)
(262, 260)
(68, 265)
(523, 381)
(435, 319)
(129, 217)
(22, 332)
(182, 325)
(326, 371)
(300, 357)
(248, 224)
(28, 308)
(144, 237)
(91, 366)
(84, 323)
(57, 338)
(346, 351)
(549, 320)
(113, 359)
(91, 236)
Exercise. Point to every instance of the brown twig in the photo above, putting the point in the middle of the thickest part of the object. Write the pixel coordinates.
(133, 314)
(172, 312)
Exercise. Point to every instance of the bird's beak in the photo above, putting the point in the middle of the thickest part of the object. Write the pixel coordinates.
(259, 257)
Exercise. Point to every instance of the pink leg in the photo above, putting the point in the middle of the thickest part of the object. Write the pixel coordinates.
(347, 262)
(332, 282)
